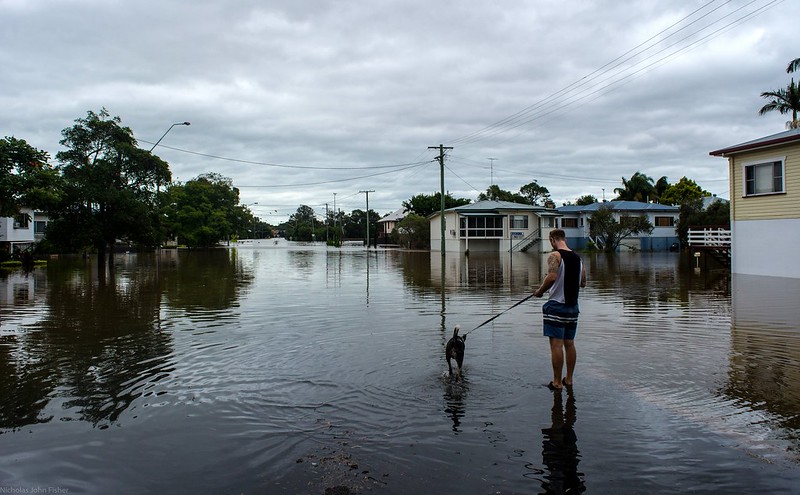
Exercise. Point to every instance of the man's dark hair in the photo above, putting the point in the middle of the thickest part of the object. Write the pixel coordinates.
(558, 234)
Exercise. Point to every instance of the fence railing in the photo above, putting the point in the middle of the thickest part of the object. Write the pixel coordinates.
(711, 236)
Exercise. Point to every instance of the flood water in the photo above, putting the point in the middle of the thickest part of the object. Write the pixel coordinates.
(280, 368)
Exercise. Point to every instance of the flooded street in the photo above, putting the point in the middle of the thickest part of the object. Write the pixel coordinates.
(283, 368)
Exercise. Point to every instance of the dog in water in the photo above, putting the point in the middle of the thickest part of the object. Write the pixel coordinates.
(455, 350)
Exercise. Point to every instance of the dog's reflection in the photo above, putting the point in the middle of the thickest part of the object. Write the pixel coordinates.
(454, 394)
(560, 454)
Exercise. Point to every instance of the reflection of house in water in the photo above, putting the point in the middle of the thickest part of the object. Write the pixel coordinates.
(765, 347)
(511, 270)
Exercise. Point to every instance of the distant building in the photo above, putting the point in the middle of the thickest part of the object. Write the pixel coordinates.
(22, 231)
(765, 204)
(387, 224)
(574, 221)
(493, 226)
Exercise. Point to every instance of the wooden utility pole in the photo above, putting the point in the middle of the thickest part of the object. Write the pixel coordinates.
(367, 193)
(441, 149)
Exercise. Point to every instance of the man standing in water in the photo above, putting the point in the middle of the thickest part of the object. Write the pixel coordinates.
(565, 277)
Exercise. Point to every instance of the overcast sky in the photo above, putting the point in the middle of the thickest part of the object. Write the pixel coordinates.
(310, 102)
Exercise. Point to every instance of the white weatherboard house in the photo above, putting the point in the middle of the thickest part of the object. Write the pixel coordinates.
(575, 223)
(22, 231)
(493, 226)
(765, 204)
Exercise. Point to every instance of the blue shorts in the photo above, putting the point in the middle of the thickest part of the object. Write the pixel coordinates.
(560, 320)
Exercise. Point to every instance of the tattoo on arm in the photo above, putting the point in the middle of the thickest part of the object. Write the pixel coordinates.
(553, 262)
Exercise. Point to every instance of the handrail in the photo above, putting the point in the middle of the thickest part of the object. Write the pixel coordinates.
(710, 236)
(528, 239)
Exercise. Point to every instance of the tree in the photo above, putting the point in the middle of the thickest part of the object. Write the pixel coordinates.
(302, 224)
(785, 100)
(425, 205)
(638, 188)
(203, 211)
(683, 191)
(26, 178)
(414, 232)
(534, 194)
(494, 193)
(109, 190)
(586, 200)
(610, 233)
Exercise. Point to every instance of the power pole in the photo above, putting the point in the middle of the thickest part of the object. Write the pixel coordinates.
(367, 193)
(491, 170)
(441, 149)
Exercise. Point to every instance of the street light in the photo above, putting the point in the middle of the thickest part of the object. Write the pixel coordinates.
(170, 128)
(254, 218)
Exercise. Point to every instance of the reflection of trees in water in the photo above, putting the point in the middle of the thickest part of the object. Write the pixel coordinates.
(560, 454)
(645, 279)
(99, 345)
(92, 340)
(210, 279)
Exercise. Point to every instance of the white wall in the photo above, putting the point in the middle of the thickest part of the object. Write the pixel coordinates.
(766, 247)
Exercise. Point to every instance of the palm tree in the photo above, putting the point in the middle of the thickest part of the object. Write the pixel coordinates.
(638, 188)
(785, 100)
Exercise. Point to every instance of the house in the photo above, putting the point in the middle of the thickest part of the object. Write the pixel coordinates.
(22, 231)
(574, 221)
(493, 226)
(765, 204)
(387, 224)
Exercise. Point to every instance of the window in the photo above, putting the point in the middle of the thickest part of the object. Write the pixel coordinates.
(665, 221)
(519, 221)
(763, 178)
(569, 223)
(21, 221)
(490, 226)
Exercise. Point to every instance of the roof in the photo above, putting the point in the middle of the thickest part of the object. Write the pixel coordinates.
(784, 137)
(394, 216)
(637, 206)
(493, 206)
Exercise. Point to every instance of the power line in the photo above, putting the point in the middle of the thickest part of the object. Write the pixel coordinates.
(548, 105)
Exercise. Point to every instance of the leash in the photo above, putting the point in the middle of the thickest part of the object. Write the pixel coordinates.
(498, 314)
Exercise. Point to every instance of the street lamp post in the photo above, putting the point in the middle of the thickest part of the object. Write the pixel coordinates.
(167, 132)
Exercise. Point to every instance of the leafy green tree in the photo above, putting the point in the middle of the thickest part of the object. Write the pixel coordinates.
(638, 188)
(203, 211)
(610, 232)
(586, 200)
(26, 178)
(424, 205)
(355, 225)
(682, 191)
(534, 193)
(302, 224)
(109, 190)
(414, 232)
(494, 193)
(785, 100)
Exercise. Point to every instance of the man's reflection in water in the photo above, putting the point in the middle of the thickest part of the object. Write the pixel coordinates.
(560, 454)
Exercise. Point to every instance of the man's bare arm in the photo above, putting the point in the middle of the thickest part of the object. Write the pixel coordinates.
(553, 262)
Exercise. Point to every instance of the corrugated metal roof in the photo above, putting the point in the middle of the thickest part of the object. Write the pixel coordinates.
(618, 206)
(492, 206)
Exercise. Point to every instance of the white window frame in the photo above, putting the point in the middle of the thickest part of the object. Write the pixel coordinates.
(764, 162)
(522, 219)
